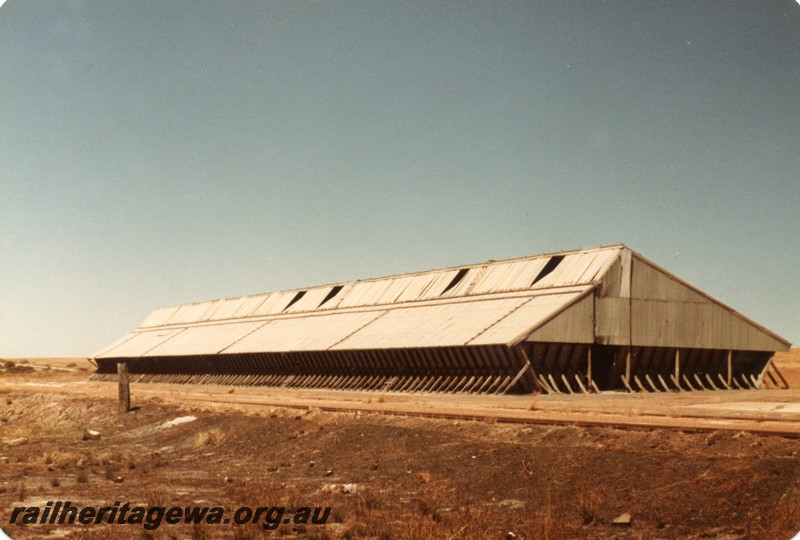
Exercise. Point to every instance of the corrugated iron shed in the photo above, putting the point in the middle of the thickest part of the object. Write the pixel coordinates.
(578, 302)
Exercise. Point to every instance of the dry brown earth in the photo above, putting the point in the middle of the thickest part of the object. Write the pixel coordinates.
(415, 477)
(789, 365)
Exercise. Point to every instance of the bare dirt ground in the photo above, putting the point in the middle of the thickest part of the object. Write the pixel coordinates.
(789, 365)
(412, 477)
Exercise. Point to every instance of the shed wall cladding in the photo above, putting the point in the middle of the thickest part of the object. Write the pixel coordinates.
(599, 319)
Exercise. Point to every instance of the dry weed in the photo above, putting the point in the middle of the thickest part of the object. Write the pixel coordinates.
(589, 504)
(211, 437)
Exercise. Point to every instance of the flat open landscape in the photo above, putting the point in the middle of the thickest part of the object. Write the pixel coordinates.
(683, 465)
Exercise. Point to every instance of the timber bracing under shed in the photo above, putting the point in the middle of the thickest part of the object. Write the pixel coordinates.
(577, 321)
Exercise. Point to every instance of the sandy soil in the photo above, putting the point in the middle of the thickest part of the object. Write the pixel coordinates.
(789, 365)
(414, 477)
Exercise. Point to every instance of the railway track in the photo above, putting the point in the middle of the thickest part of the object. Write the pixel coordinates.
(775, 412)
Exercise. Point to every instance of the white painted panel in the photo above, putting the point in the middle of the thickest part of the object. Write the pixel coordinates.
(159, 317)
(207, 339)
(523, 320)
(190, 313)
(248, 307)
(310, 300)
(141, 343)
(437, 284)
(602, 259)
(509, 276)
(334, 302)
(310, 333)
(431, 326)
(275, 303)
(572, 324)
(363, 293)
(227, 309)
(108, 348)
(211, 308)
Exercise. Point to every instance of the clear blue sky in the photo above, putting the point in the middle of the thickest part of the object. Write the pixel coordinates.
(162, 152)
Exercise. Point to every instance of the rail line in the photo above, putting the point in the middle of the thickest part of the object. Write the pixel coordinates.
(768, 412)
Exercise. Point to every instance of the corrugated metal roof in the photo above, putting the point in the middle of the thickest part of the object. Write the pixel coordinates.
(491, 303)
(576, 268)
(437, 325)
(205, 339)
(521, 322)
(487, 303)
(311, 333)
(140, 343)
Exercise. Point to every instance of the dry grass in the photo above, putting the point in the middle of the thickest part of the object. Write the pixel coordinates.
(537, 482)
(211, 437)
(782, 522)
(590, 502)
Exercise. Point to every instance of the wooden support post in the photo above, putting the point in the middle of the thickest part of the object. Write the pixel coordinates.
(124, 388)
(553, 383)
(730, 369)
(678, 367)
(589, 368)
(628, 368)
(699, 381)
(626, 383)
(518, 376)
(531, 374)
(580, 384)
(774, 367)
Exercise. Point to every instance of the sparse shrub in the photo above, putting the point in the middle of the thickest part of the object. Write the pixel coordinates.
(212, 437)
(589, 504)
(431, 500)
(82, 477)
(548, 523)
(55, 482)
(372, 499)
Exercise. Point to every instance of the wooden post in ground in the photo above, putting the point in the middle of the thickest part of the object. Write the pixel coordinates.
(678, 367)
(730, 368)
(628, 368)
(589, 369)
(124, 388)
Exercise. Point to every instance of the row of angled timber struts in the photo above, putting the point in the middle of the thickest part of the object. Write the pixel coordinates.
(492, 377)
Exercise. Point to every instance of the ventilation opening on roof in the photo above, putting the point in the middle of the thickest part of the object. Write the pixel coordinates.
(549, 267)
(333, 292)
(296, 298)
(458, 277)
